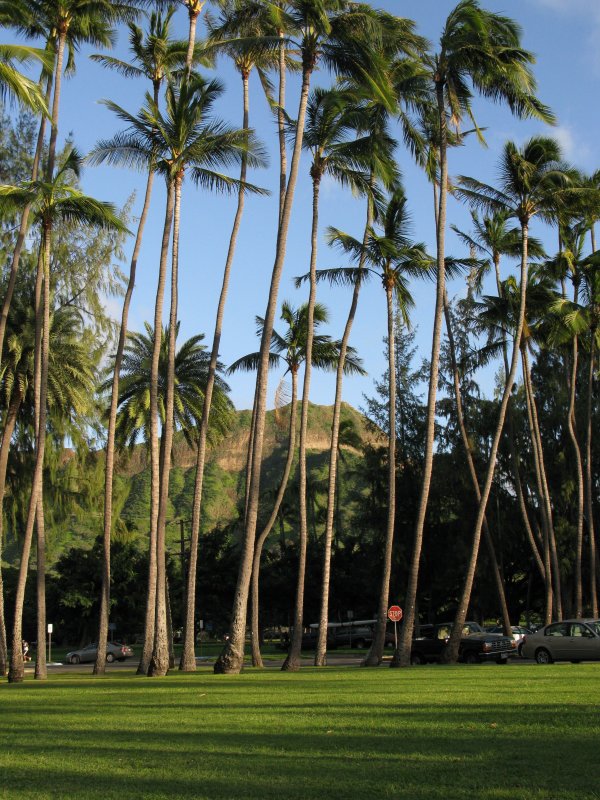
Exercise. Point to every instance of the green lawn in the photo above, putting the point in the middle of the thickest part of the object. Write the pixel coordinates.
(518, 731)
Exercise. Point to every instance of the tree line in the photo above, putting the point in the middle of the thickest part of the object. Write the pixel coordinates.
(388, 81)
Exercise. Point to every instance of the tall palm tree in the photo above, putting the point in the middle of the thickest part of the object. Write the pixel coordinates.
(491, 239)
(582, 319)
(533, 182)
(393, 258)
(245, 54)
(330, 122)
(291, 349)
(51, 202)
(70, 382)
(154, 57)
(181, 138)
(479, 52)
(342, 36)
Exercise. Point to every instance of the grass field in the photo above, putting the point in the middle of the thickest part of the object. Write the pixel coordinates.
(518, 731)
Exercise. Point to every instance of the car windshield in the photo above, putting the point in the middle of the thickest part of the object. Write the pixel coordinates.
(595, 626)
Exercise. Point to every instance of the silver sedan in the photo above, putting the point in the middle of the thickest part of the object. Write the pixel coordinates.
(573, 640)
(114, 652)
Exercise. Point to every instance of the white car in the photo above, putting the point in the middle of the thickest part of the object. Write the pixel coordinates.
(573, 640)
(518, 633)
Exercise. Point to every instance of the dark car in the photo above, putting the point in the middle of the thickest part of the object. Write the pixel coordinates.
(360, 635)
(476, 645)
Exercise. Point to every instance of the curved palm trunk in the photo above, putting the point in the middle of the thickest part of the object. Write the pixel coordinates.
(589, 503)
(375, 654)
(281, 128)
(60, 52)
(188, 655)
(16, 670)
(473, 472)
(413, 576)
(9, 427)
(261, 539)
(159, 664)
(545, 490)
(23, 227)
(232, 656)
(571, 424)
(292, 661)
(451, 652)
(193, 15)
(321, 649)
(145, 660)
(542, 506)
(100, 663)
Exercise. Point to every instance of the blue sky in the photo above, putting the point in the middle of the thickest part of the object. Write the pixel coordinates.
(562, 33)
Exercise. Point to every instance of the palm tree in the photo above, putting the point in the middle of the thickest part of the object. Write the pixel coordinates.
(16, 86)
(154, 57)
(191, 377)
(479, 51)
(291, 349)
(533, 182)
(179, 139)
(341, 35)
(491, 239)
(245, 55)
(51, 201)
(391, 256)
(70, 383)
(582, 319)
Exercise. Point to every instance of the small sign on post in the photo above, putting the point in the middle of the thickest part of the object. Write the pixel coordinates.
(50, 628)
(395, 614)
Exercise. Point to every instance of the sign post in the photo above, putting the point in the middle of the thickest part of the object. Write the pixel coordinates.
(395, 614)
(49, 642)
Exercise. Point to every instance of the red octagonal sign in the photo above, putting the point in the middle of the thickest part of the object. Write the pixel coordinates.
(395, 613)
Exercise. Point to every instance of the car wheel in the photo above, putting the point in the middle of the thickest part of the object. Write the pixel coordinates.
(520, 651)
(110, 657)
(75, 659)
(502, 661)
(359, 644)
(471, 658)
(416, 659)
(542, 656)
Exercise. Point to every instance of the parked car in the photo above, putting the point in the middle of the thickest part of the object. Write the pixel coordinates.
(360, 635)
(114, 652)
(518, 634)
(476, 645)
(572, 640)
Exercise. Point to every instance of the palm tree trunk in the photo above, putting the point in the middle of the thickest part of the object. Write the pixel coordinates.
(41, 672)
(292, 662)
(9, 427)
(232, 656)
(62, 38)
(193, 15)
(473, 472)
(188, 656)
(100, 663)
(413, 576)
(261, 539)
(281, 128)
(149, 632)
(451, 652)
(321, 649)
(16, 671)
(571, 424)
(589, 499)
(545, 490)
(159, 665)
(23, 227)
(375, 655)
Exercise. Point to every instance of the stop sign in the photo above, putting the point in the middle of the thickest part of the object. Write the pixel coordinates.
(394, 613)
